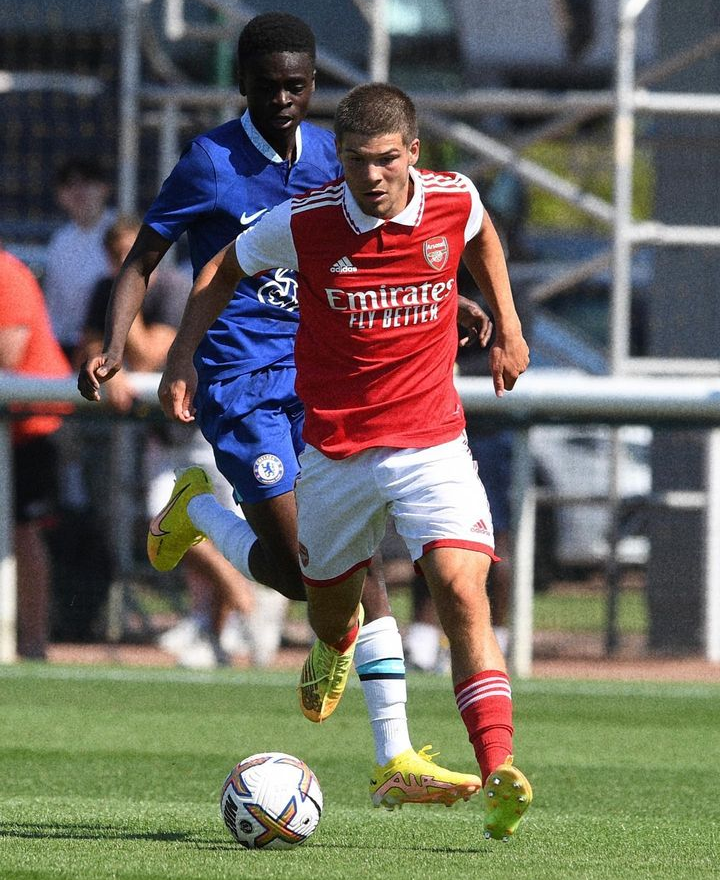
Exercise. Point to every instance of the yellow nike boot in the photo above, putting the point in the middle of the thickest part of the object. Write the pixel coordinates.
(172, 533)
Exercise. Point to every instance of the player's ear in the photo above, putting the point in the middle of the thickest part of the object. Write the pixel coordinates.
(414, 151)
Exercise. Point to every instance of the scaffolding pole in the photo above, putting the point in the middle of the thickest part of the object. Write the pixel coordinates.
(130, 83)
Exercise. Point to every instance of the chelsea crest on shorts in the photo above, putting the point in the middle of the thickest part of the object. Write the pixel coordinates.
(268, 469)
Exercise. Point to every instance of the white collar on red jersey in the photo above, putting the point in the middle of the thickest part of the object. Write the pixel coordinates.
(263, 146)
(410, 215)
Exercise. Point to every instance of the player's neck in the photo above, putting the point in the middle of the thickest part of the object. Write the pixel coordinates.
(284, 145)
(403, 203)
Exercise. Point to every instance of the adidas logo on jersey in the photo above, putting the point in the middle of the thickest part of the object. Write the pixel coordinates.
(343, 266)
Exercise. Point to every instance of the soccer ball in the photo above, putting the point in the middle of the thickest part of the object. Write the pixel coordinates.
(271, 801)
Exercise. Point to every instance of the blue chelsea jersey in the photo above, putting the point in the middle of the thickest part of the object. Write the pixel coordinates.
(223, 183)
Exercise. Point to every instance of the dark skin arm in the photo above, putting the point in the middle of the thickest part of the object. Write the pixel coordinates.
(474, 321)
(210, 294)
(127, 296)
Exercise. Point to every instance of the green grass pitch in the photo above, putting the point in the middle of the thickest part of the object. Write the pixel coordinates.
(115, 773)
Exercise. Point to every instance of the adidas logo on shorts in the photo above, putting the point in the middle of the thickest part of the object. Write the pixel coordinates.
(343, 266)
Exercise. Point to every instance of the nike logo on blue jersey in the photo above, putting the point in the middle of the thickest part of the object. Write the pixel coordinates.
(246, 219)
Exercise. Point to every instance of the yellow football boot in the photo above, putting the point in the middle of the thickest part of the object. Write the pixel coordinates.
(507, 796)
(324, 676)
(172, 533)
(414, 778)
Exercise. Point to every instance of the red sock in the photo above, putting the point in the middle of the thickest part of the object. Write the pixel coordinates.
(347, 640)
(485, 704)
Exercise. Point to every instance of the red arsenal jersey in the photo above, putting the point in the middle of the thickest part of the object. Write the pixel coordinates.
(378, 310)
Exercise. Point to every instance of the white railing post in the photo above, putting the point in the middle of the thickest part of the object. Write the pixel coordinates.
(8, 574)
(712, 547)
(523, 556)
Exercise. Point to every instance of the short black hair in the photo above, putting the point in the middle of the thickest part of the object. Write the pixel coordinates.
(78, 168)
(275, 32)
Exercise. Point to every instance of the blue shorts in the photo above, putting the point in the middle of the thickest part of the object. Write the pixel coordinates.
(254, 424)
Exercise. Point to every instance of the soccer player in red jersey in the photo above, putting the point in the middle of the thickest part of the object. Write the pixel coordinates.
(377, 255)
(246, 404)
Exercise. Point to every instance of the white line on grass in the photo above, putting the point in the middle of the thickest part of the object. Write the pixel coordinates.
(284, 679)
(145, 675)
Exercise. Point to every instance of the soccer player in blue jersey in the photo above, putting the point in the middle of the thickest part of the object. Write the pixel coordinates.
(245, 403)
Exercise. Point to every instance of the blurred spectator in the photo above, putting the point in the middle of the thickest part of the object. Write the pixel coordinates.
(216, 588)
(28, 347)
(75, 261)
(76, 258)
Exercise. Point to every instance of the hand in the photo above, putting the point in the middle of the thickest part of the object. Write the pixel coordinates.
(177, 390)
(509, 357)
(94, 372)
(473, 319)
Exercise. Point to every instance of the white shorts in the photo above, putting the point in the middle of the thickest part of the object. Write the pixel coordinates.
(433, 495)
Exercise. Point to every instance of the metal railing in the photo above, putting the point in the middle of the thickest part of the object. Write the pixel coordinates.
(552, 397)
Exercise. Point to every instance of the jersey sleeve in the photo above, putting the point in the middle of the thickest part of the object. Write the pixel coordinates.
(474, 221)
(189, 192)
(269, 243)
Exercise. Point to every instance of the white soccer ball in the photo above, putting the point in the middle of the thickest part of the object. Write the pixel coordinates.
(271, 801)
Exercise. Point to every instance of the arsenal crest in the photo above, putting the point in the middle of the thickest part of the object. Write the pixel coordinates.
(436, 252)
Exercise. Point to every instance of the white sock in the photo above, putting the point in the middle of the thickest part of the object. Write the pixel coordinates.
(380, 665)
(230, 533)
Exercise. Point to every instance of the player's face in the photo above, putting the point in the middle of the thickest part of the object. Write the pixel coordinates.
(278, 88)
(377, 171)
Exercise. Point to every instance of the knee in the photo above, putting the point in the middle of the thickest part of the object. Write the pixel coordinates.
(278, 569)
(463, 607)
(288, 581)
(294, 589)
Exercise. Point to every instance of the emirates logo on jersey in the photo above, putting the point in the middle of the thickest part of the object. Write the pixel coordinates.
(436, 252)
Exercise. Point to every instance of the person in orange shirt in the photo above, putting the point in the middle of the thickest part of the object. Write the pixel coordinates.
(28, 347)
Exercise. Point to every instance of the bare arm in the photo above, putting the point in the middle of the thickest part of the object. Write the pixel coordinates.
(212, 291)
(13, 342)
(483, 255)
(127, 296)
